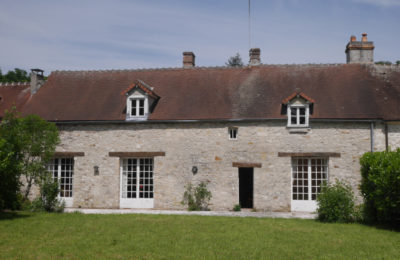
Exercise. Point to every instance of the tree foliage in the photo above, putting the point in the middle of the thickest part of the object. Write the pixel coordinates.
(380, 186)
(39, 139)
(16, 75)
(27, 144)
(235, 61)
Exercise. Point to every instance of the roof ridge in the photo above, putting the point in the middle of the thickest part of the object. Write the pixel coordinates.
(5, 84)
(202, 68)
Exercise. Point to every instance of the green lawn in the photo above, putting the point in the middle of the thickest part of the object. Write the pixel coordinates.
(78, 236)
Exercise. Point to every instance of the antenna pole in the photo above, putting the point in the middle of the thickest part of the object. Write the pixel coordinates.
(249, 28)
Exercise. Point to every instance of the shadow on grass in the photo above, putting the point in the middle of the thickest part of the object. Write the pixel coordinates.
(389, 227)
(7, 215)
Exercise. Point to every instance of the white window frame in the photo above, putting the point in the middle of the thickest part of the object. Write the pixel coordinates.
(137, 202)
(233, 133)
(136, 97)
(57, 176)
(298, 107)
(313, 183)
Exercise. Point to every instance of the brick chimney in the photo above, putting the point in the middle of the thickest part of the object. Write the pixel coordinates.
(37, 80)
(188, 59)
(254, 54)
(360, 51)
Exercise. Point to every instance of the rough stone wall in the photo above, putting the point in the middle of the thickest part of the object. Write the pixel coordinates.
(394, 136)
(207, 146)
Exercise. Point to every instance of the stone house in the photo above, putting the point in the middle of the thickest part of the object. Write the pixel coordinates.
(262, 136)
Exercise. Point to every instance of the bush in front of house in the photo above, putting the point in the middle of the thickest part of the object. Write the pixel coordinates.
(380, 186)
(237, 207)
(48, 199)
(336, 203)
(197, 197)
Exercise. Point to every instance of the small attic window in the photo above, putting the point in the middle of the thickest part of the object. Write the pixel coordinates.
(137, 106)
(298, 107)
(140, 100)
(298, 115)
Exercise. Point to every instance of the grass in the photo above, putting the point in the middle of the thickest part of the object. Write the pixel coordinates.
(78, 236)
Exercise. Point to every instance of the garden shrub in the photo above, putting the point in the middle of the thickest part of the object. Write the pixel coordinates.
(380, 186)
(237, 208)
(48, 199)
(197, 197)
(336, 203)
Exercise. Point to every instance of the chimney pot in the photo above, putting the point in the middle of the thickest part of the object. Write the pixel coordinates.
(188, 59)
(353, 38)
(364, 37)
(254, 54)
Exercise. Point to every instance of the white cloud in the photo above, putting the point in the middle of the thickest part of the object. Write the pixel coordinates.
(384, 3)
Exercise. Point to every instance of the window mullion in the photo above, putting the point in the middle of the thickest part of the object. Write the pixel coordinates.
(137, 178)
(309, 179)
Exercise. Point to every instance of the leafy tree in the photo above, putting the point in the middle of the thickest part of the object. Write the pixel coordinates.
(10, 164)
(398, 62)
(39, 139)
(33, 142)
(16, 75)
(234, 61)
(383, 63)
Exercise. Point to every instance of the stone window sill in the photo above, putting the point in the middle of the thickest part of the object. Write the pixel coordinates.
(299, 130)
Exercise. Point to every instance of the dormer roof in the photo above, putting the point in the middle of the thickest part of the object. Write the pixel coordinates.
(297, 95)
(139, 84)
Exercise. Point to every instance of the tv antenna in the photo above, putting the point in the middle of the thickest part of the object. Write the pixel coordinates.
(249, 27)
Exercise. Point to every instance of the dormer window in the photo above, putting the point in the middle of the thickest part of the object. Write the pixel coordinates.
(298, 115)
(137, 106)
(140, 101)
(298, 107)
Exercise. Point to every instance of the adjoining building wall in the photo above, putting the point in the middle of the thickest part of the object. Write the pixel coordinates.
(394, 136)
(207, 146)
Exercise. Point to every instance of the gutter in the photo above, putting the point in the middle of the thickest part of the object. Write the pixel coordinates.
(213, 121)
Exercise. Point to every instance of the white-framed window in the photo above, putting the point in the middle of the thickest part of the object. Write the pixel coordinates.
(62, 170)
(137, 187)
(137, 107)
(308, 174)
(298, 115)
(233, 133)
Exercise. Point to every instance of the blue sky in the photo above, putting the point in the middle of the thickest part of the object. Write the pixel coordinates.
(122, 34)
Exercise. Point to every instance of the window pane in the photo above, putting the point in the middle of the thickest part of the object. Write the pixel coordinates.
(139, 179)
(302, 188)
(293, 120)
(302, 111)
(133, 104)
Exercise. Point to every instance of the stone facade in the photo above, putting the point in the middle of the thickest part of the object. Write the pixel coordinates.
(207, 146)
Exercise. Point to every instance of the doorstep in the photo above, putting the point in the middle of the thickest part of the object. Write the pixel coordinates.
(302, 215)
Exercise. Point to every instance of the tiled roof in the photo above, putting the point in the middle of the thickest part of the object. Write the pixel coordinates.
(13, 94)
(339, 91)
